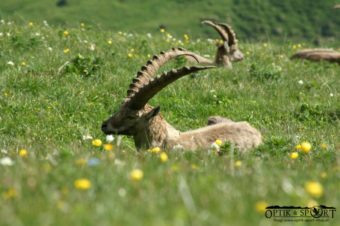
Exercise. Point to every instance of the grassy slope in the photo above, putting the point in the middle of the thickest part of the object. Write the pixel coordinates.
(47, 113)
(259, 20)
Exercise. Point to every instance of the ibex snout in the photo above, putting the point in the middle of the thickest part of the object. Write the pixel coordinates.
(237, 56)
(105, 127)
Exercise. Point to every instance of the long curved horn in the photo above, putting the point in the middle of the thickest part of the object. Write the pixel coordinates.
(147, 91)
(231, 34)
(151, 67)
(224, 35)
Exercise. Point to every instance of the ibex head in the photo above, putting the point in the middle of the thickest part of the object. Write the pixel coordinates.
(135, 115)
(227, 51)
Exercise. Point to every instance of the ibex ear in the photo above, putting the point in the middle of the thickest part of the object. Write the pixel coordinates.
(152, 113)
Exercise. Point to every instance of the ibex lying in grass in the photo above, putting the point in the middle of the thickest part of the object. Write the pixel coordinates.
(318, 55)
(227, 51)
(148, 127)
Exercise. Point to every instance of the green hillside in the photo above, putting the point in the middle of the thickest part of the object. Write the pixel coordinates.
(53, 173)
(308, 20)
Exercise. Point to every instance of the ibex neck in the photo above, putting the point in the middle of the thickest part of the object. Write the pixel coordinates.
(154, 133)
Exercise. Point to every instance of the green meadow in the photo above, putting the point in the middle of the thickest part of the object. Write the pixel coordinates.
(58, 83)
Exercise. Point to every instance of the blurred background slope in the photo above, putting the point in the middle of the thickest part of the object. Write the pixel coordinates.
(258, 20)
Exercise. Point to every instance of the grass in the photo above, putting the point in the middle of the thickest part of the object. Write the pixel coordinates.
(47, 108)
(315, 21)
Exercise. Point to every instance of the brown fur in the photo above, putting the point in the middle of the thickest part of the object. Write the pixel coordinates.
(318, 55)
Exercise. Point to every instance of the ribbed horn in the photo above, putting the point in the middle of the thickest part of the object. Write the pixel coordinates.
(231, 34)
(148, 70)
(145, 93)
(224, 35)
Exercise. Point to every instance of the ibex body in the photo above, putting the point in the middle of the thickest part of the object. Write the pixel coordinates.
(148, 127)
(318, 55)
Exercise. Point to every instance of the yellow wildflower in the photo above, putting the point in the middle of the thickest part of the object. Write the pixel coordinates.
(11, 193)
(163, 157)
(323, 175)
(162, 30)
(81, 162)
(155, 150)
(306, 147)
(311, 203)
(97, 142)
(186, 37)
(82, 184)
(66, 33)
(314, 188)
(298, 147)
(108, 147)
(218, 142)
(109, 41)
(130, 55)
(23, 63)
(194, 166)
(323, 146)
(219, 42)
(238, 163)
(294, 155)
(30, 24)
(23, 153)
(260, 206)
(136, 175)
(66, 50)
(82, 25)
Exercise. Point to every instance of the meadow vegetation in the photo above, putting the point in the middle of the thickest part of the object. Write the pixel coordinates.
(57, 84)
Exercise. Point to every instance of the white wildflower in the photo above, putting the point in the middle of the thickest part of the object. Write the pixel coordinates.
(87, 137)
(119, 140)
(1, 34)
(110, 138)
(331, 94)
(49, 49)
(11, 63)
(149, 35)
(210, 40)
(215, 146)
(122, 192)
(45, 23)
(300, 82)
(178, 147)
(92, 47)
(6, 161)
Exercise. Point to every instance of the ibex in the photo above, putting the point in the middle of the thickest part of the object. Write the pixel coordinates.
(318, 55)
(149, 129)
(227, 51)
